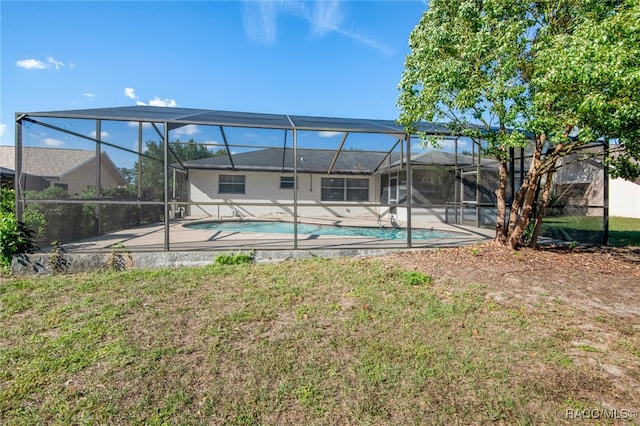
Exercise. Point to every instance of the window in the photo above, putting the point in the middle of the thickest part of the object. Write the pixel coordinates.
(63, 186)
(231, 184)
(286, 182)
(344, 189)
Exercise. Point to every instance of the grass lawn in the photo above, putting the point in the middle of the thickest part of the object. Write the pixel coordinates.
(349, 341)
(623, 231)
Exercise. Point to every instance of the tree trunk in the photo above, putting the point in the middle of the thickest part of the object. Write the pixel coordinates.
(523, 200)
(543, 205)
(501, 230)
(527, 207)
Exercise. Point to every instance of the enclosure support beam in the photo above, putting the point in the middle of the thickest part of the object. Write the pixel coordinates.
(17, 178)
(335, 157)
(139, 179)
(409, 190)
(98, 174)
(166, 186)
(456, 202)
(605, 195)
(386, 156)
(478, 179)
(226, 145)
(295, 189)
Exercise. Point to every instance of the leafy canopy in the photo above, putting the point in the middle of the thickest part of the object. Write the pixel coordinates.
(565, 69)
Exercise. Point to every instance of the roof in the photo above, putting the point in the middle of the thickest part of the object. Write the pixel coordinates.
(309, 161)
(442, 158)
(48, 162)
(7, 172)
(45, 161)
(319, 161)
(177, 117)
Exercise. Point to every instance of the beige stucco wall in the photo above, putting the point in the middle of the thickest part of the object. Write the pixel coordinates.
(85, 176)
(624, 198)
(264, 187)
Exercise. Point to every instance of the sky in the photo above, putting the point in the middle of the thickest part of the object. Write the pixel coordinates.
(319, 58)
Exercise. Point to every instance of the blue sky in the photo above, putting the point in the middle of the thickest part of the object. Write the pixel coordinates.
(321, 58)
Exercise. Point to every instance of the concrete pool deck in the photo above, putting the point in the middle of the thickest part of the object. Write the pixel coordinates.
(143, 247)
(181, 238)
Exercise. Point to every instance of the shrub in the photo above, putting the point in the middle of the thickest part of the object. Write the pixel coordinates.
(416, 278)
(234, 259)
(15, 237)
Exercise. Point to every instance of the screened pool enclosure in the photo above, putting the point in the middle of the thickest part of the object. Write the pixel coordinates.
(139, 176)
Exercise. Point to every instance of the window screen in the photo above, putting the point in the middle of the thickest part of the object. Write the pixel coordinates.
(231, 184)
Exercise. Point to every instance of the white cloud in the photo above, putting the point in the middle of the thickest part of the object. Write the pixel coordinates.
(188, 130)
(162, 102)
(326, 17)
(31, 64)
(56, 64)
(88, 95)
(129, 93)
(103, 135)
(3, 128)
(325, 134)
(135, 124)
(36, 64)
(260, 20)
(52, 142)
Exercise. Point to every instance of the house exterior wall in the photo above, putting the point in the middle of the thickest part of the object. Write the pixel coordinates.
(624, 198)
(84, 176)
(264, 187)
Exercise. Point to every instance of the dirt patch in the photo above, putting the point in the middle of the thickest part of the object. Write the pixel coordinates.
(599, 279)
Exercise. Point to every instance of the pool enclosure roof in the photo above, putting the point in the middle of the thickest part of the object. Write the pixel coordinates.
(178, 117)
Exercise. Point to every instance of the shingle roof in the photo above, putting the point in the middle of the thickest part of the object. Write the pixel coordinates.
(442, 158)
(281, 159)
(319, 161)
(45, 161)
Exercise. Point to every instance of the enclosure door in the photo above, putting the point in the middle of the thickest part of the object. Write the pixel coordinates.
(393, 189)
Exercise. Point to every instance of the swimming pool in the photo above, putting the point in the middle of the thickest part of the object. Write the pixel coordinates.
(266, 227)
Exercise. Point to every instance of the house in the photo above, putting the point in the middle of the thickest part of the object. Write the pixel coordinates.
(355, 183)
(70, 169)
(579, 189)
(624, 198)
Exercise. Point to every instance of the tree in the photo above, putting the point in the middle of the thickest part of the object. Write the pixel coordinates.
(552, 75)
(152, 176)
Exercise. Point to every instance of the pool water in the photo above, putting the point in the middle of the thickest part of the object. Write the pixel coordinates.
(385, 233)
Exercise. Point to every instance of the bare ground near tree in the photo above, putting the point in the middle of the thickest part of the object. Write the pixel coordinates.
(594, 292)
(591, 278)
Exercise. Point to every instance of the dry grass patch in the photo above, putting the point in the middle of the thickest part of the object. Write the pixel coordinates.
(349, 341)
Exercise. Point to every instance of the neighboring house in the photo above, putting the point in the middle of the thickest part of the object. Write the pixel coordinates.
(259, 183)
(624, 198)
(71, 169)
(579, 186)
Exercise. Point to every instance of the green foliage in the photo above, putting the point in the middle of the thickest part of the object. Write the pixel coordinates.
(152, 178)
(7, 201)
(565, 71)
(235, 259)
(64, 222)
(416, 278)
(15, 236)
